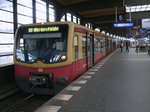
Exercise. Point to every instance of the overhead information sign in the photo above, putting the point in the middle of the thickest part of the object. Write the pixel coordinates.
(123, 24)
(120, 18)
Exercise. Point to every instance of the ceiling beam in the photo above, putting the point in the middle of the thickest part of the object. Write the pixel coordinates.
(93, 4)
(101, 12)
(69, 2)
(102, 19)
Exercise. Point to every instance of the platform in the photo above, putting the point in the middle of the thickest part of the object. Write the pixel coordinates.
(119, 83)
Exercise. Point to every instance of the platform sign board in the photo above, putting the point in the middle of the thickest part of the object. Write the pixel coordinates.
(120, 18)
(122, 25)
(146, 23)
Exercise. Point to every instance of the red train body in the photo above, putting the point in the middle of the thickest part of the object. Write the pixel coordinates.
(38, 73)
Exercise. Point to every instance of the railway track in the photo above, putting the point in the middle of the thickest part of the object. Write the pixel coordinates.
(21, 102)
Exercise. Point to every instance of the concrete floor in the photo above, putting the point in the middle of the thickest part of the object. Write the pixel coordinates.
(121, 84)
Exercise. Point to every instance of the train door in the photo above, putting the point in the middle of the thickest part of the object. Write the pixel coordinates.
(90, 50)
(76, 54)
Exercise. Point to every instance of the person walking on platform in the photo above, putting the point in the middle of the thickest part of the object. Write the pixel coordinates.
(121, 46)
(127, 46)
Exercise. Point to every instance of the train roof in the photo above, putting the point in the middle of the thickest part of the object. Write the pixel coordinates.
(65, 22)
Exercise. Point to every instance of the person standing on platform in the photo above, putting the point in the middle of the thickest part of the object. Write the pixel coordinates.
(137, 47)
(121, 46)
(127, 46)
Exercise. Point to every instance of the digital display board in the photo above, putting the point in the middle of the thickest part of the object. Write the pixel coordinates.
(123, 25)
(43, 29)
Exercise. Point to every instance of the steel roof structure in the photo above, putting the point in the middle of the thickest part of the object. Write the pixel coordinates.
(101, 13)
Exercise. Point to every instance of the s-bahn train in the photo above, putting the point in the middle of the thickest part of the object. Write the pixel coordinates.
(48, 56)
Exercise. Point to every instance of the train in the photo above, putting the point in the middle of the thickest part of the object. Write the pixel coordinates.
(49, 56)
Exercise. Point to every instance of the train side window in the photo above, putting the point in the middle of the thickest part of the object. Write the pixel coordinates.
(102, 44)
(99, 45)
(76, 47)
(95, 45)
(21, 44)
(83, 46)
(76, 40)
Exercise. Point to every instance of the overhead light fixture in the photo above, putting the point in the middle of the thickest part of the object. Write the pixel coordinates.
(138, 8)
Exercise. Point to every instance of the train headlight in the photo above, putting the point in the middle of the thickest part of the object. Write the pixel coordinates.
(43, 79)
(30, 78)
(63, 57)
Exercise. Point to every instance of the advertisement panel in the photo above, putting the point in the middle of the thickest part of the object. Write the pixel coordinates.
(146, 23)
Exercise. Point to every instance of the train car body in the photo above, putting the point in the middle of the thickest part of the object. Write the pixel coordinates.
(49, 56)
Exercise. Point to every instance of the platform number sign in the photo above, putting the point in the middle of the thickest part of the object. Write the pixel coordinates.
(120, 18)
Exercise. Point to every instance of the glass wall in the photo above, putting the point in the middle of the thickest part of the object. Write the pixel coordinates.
(97, 29)
(25, 15)
(79, 21)
(68, 17)
(88, 25)
(40, 11)
(75, 19)
(51, 13)
(63, 18)
(6, 30)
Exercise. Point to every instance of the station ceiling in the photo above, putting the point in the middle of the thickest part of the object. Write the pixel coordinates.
(93, 9)
(101, 13)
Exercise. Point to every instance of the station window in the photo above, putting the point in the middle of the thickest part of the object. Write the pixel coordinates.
(88, 25)
(97, 29)
(63, 18)
(6, 16)
(74, 19)
(25, 2)
(6, 5)
(79, 21)
(51, 13)
(68, 17)
(40, 11)
(24, 16)
(6, 27)
(24, 19)
(103, 32)
(24, 11)
(6, 31)
(6, 60)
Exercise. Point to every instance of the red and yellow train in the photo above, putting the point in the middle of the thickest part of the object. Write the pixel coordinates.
(48, 56)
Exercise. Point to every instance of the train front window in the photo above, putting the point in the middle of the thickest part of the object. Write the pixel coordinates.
(45, 47)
